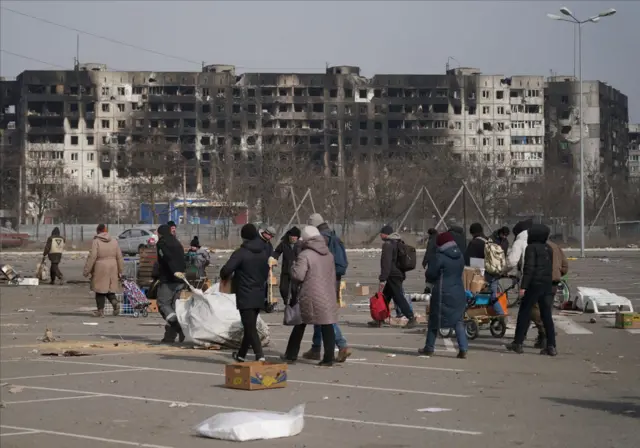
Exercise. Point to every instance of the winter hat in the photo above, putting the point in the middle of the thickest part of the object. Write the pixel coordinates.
(444, 238)
(294, 231)
(309, 232)
(270, 231)
(475, 229)
(172, 224)
(248, 232)
(315, 220)
(386, 230)
(195, 242)
(528, 223)
(55, 231)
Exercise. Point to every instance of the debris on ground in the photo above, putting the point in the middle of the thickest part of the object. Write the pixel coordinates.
(90, 323)
(48, 336)
(2, 405)
(432, 410)
(391, 355)
(592, 320)
(34, 351)
(16, 389)
(26, 310)
(178, 405)
(605, 372)
(604, 260)
(67, 353)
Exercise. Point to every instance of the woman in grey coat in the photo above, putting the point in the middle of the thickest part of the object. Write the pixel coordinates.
(314, 269)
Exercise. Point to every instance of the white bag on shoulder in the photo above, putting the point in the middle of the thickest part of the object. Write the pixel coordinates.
(243, 426)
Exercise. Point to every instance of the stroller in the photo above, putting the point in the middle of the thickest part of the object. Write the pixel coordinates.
(136, 299)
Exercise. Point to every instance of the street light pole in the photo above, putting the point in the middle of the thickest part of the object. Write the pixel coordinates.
(575, 22)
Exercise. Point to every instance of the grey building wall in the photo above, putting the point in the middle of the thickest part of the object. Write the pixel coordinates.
(634, 152)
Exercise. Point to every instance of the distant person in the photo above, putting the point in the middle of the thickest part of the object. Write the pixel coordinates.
(104, 265)
(336, 247)
(448, 300)
(431, 247)
(54, 250)
(287, 248)
(248, 269)
(391, 277)
(171, 268)
(474, 255)
(459, 237)
(172, 227)
(198, 258)
(536, 287)
(267, 234)
(501, 237)
(314, 270)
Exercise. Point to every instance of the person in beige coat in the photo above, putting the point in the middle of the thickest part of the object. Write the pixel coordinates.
(105, 266)
(314, 270)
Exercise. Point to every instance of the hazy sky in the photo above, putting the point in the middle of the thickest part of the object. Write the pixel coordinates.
(509, 38)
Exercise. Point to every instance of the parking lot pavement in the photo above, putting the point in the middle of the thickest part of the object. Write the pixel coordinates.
(123, 393)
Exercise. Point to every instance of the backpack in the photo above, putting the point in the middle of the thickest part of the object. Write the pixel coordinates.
(495, 260)
(339, 253)
(379, 308)
(406, 257)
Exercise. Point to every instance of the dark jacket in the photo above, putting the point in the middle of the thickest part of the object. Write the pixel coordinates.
(448, 300)
(503, 242)
(389, 259)
(430, 253)
(170, 257)
(288, 252)
(475, 249)
(249, 266)
(537, 272)
(459, 237)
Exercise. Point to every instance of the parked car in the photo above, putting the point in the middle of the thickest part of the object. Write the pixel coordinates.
(132, 240)
(9, 238)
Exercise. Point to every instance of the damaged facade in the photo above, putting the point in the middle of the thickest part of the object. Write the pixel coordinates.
(634, 152)
(605, 130)
(90, 117)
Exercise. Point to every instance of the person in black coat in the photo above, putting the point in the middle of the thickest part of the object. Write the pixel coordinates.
(459, 237)
(287, 248)
(536, 287)
(431, 247)
(475, 249)
(171, 265)
(249, 266)
(501, 237)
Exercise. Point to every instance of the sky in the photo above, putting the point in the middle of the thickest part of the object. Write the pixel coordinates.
(500, 37)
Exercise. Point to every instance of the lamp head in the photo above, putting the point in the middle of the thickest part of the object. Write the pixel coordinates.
(555, 17)
(607, 13)
(566, 11)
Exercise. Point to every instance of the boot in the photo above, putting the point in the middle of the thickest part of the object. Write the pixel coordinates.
(312, 354)
(116, 306)
(425, 352)
(343, 354)
(462, 354)
(513, 347)
(541, 341)
(169, 335)
(550, 351)
(411, 323)
(98, 313)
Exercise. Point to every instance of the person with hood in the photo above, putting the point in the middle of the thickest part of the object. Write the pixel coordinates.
(448, 300)
(430, 253)
(171, 268)
(172, 227)
(501, 237)
(54, 249)
(198, 258)
(474, 255)
(336, 247)
(248, 269)
(104, 265)
(287, 248)
(459, 237)
(267, 234)
(536, 287)
(391, 277)
(314, 270)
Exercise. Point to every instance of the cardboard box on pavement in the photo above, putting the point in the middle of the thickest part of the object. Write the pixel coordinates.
(255, 375)
(627, 320)
(363, 291)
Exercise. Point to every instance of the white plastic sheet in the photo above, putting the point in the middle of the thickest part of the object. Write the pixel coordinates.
(211, 317)
(244, 426)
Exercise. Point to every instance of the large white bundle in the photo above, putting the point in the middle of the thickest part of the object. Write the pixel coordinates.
(212, 318)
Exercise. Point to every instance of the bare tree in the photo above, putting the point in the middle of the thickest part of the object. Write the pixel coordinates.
(78, 206)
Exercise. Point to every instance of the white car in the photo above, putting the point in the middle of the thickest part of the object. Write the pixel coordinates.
(132, 240)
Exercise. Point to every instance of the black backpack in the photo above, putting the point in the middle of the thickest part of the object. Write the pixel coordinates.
(406, 258)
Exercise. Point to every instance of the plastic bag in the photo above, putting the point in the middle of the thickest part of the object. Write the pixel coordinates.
(42, 271)
(243, 426)
(211, 317)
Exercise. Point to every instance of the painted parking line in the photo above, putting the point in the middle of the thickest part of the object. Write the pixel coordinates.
(20, 433)
(569, 326)
(234, 408)
(315, 383)
(53, 375)
(81, 436)
(44, 400)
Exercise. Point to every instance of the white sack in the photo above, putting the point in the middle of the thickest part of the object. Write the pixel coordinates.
(243, 426)
(211, 317)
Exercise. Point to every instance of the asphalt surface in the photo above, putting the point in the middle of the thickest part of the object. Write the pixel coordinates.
(124, 393)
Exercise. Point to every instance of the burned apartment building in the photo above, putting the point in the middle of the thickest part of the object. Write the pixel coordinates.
(605, 126)
(634, 152)
(90, 118)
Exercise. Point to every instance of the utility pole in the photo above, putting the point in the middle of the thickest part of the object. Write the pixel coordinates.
(184, 192)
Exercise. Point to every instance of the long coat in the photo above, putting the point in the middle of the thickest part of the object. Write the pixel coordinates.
(104, 265)
(249, 267)
(448, 300)
(315, 269)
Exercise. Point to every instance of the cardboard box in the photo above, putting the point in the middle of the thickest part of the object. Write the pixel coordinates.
(363, 291)
(477, 284)
(153, 307)
(627, 320)
(467, 277)
(225, 287)
(255, 375)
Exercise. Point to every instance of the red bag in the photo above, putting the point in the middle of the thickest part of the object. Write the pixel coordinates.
(379, 308)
